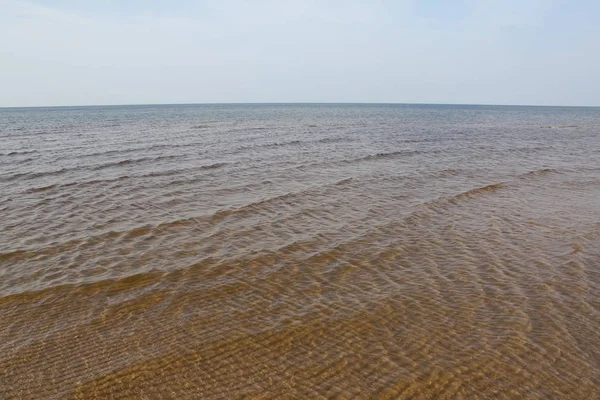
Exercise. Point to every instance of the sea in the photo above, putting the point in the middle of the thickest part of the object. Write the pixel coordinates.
(301, 251)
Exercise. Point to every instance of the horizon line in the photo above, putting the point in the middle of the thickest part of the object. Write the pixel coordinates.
(298, 103)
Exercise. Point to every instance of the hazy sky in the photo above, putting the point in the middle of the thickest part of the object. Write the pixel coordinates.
(69, 52)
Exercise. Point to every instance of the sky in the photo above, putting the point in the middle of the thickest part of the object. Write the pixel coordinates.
(523, 52)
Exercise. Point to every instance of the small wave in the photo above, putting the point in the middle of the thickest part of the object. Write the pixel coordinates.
(480, 190)
(41, 189)
(17, 254)
(58, 248)
(334, 140)
(178, 171)
(425, 209)
(131, 234)
(132, 161)
(385, 155)
(34, 175)
(263, 204)
(163, 173)
(558, 126)
(540, 172)
(449, 172)
(279, 144)
(110, 152)
(527, 149)
(121, 163)
(124, 177)
(134, 150)
(235, 130)
(469, 194)
(114, 285)
(242, 149)
(252, 207)
(344, 181)
(137, 232)
(70, 184)
(17, 161)
(200, 127)
(126, 162)
(26, 160)
(18, 153)
(96, 181)
(213, 166)
(378, 156)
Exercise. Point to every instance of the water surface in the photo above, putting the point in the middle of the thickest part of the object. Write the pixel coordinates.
(300, 251)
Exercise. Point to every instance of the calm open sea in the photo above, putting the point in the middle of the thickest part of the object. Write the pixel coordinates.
(300, 251)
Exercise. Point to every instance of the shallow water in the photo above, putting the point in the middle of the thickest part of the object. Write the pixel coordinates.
(300, 251)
